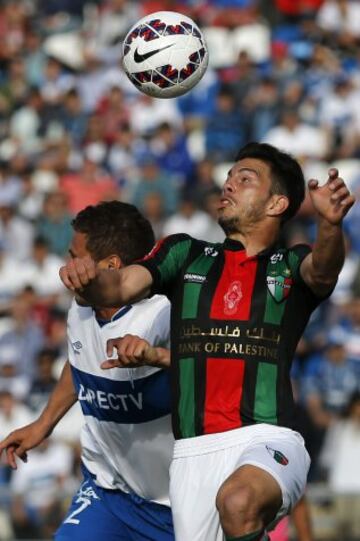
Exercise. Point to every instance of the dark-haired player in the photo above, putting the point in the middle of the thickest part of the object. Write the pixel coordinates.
(238, 311)
(126, 439)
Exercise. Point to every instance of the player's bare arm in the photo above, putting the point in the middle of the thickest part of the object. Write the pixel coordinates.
(18, 442)
(332, 202)
(134, 351)
(106, 288)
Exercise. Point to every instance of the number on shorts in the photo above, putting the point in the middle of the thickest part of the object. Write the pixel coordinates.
(85, 502)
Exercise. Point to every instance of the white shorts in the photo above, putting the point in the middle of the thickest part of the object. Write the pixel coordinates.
(200, 466)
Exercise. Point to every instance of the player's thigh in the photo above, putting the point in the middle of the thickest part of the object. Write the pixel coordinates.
(286, 460)
(194, 482)
(88, 518)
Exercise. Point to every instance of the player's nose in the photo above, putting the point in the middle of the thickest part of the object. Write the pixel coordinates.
(228, 186)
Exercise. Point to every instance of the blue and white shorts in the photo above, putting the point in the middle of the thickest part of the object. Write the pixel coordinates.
(96, 513)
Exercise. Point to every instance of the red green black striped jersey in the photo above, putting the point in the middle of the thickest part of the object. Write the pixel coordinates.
(235, 321)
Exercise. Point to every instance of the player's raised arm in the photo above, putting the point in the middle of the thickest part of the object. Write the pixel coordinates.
(332, 202)
(105, 288)
(18, 442)
(156, 273)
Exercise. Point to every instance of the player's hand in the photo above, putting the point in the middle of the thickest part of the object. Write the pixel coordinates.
(18, 442)
(133, 351)
(78, 272)
(333, 200)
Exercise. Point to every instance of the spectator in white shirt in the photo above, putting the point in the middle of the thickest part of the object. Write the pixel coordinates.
(297, 137)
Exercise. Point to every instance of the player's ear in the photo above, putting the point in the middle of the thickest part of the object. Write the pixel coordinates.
(278, 204)
(114, 262)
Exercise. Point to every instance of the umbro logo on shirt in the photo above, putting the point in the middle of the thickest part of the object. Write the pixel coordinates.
(77, 346)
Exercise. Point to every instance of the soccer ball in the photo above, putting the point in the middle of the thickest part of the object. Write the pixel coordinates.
(165, 54)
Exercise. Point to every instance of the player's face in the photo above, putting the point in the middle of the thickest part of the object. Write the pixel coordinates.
(246, 194)
(78, 245)
(78, 248)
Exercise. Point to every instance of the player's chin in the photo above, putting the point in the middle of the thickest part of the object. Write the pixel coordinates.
(228, 221)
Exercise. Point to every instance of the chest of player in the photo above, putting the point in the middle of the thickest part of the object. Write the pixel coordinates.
(229, 286)
(134, 395)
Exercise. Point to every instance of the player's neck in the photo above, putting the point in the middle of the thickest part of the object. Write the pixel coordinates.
(256, 240)
(106, 313)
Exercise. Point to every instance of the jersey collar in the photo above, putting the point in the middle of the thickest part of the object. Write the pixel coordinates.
(120, 313)
(236, 246)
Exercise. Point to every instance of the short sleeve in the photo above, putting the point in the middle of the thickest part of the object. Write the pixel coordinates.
(166, 260)
(296, 256)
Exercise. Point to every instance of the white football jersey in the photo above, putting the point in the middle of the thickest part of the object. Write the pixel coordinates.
(127, 440)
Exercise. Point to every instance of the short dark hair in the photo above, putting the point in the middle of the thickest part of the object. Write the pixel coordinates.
(114, 227)
(287, 176)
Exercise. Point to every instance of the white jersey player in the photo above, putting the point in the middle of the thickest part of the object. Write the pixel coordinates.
(126, 439)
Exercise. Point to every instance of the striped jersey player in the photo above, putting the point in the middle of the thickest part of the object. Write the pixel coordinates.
(238, 311)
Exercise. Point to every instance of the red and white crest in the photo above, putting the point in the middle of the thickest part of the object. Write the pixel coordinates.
(232, 298)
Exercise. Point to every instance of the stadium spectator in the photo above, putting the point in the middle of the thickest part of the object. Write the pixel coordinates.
(188, 219)
(225, 130)
(337, 114)
(15, 232)
(44, 381)
(153, 207)
(73, 118)
(263, 106)
(340, 19)
(170, 149)
(11, 378)
(153, 180)
(297, 137)
(39, 488)
(330, 380)
(24, 335)
(149, 114)
(43, 268)
(90, 185)
(340, 457)
(54, 223)
(12, 413)
(114, 114)
(122, 156)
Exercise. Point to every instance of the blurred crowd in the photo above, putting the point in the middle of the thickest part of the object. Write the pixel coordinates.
(74, 132)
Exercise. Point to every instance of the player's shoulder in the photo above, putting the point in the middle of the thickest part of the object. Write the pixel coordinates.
(283, 252)
(197, 244)
(76, 310)
(153, 305)
(298, 252)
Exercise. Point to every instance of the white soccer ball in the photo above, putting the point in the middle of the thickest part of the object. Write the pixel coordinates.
(165, 54)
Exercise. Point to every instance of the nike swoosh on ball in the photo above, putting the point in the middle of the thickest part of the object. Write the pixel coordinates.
(141, 57)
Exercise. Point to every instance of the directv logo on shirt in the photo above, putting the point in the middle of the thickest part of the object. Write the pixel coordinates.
(101, 399)
(138, 401)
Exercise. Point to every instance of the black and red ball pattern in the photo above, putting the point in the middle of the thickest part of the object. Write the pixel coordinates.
(156, 28)
(165, 76)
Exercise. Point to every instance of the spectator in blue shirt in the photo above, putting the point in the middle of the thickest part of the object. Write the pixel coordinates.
(330, 380)
(225, 131)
